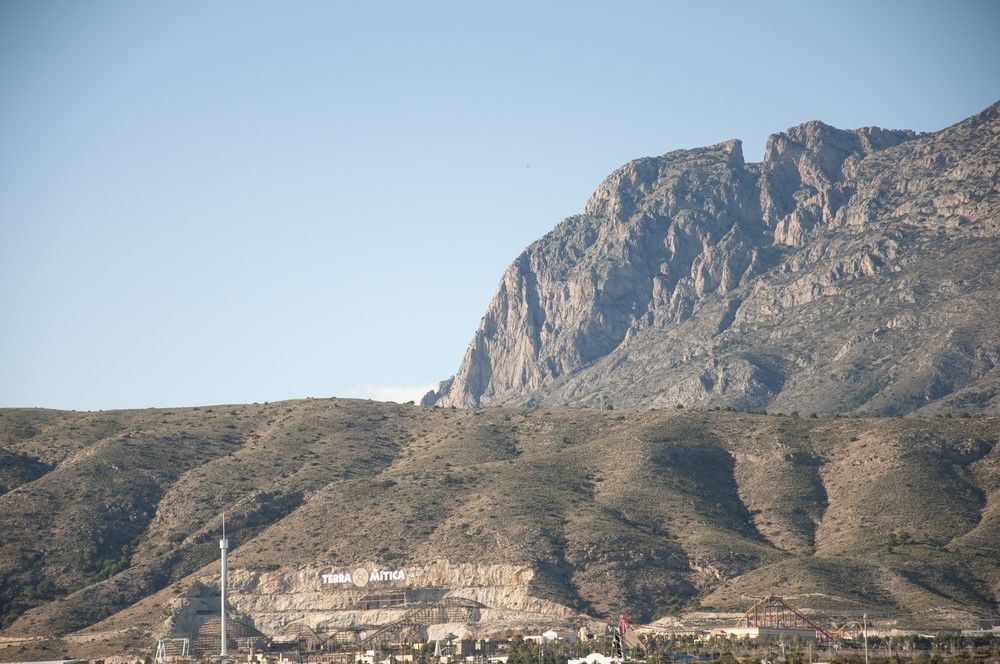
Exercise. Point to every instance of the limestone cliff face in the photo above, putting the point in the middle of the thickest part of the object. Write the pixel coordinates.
(849, 270)
(286, 597)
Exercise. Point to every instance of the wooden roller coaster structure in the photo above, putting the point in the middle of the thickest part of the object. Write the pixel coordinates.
(773, 612)
(415, 616)
(449, 609)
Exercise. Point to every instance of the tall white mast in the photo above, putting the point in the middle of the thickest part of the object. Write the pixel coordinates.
(224, 547)
(865, 618)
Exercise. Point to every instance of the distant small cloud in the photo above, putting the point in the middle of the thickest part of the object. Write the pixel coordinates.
(397, 393)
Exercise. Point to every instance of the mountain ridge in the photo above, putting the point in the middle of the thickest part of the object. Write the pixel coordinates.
(672, 251)
(546, 517)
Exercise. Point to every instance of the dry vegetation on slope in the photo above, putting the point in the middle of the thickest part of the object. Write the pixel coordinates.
(645, 512)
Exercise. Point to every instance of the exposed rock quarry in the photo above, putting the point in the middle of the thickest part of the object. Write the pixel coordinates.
(849, 271)
(286, 600)
(284, 597)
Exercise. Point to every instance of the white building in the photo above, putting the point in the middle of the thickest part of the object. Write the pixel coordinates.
(993, 631)
(596, 658)
(767, 633)
(561, 635)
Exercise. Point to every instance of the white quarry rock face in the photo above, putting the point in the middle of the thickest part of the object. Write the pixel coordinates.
(276, 600)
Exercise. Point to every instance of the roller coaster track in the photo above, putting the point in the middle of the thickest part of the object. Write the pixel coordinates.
(774, 612)
(450, 609)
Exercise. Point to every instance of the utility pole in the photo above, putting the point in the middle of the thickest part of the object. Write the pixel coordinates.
(865, 628)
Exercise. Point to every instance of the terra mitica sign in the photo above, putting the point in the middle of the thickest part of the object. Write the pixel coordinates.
(361, 577)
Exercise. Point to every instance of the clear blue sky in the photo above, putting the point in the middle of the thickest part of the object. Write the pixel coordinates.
(206, 202)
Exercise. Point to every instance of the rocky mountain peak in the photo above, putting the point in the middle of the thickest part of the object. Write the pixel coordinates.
(695, 277)
(622, 193)
(828, 147)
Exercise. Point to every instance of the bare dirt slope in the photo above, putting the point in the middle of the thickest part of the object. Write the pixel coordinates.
(108, 517)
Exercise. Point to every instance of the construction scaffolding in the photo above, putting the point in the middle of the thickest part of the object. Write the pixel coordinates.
(390, 600)
(171, 649)
(240, 635)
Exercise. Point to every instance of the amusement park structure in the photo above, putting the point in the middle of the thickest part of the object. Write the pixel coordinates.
(774, 613)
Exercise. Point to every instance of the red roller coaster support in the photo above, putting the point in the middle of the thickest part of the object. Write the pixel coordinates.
(775, 613)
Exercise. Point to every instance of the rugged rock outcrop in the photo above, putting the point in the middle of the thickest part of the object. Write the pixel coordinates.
(848, 271)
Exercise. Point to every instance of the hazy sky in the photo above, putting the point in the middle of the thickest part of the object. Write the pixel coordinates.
(215, 202)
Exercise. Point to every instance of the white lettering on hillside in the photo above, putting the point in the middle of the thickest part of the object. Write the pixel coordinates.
(375, 576)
